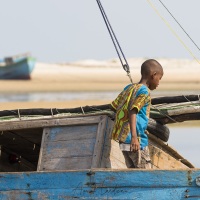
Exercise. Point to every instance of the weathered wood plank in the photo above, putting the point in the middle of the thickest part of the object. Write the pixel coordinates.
(173, 111)
(112, 155)
(116, 156)
(162, 160)
(67, 163)
(84, 140)
(44, 180)
(99, 143)
(104, 193)
(174, 99)
(98, 184)
(105, 161)
(156, 142)
(78, 132)
(63, 149)
(178, 118)
(50, 122)
(42, 149)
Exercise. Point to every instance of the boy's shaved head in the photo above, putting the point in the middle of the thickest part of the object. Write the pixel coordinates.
(150, 66)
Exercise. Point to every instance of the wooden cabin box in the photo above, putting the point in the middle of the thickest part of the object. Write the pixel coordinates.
(84, 144)
(72, 143)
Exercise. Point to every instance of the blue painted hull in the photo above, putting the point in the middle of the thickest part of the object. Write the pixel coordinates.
(101, 184)
(19, 69)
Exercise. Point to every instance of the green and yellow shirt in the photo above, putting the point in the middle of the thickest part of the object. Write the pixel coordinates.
(133, 96)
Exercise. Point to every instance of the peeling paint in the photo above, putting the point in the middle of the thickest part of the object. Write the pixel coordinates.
(101, 184)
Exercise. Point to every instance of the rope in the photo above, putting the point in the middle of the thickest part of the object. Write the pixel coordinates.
(164, 114)
(52, 112)
(114, 39)
(172, 30)
(82, 110)
(179, 25)
(19, 114)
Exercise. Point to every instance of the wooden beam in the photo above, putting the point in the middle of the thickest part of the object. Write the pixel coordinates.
(102, 184)
(178, 118)
(48, 122)
(175, 99)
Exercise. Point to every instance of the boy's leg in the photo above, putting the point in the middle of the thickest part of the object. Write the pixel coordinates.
(141, 159)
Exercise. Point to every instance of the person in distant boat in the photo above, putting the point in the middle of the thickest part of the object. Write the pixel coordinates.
(132, 107)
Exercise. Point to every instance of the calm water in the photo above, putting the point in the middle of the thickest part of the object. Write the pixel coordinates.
(58, 96)
(186, 140)
(62, 96)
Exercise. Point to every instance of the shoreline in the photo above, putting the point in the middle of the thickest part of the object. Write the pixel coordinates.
(53, 86)
(93, 75)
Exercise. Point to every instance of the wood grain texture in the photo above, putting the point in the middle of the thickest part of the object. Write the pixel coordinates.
(112, 156)
(164, 156)
(99, 143)
(174, 99)
(101, 184)
(48, 122)
(76, 146)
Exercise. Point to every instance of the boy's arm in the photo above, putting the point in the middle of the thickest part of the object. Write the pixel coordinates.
(134, 145)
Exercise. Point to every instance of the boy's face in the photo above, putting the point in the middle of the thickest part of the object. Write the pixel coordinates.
(155, 79)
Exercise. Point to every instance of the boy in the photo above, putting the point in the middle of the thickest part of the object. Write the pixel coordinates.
(132, 107)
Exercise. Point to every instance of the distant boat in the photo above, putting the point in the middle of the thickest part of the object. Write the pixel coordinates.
(17, 67)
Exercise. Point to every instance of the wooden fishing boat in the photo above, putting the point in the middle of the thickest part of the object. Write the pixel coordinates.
(71, 155)
(17, 67)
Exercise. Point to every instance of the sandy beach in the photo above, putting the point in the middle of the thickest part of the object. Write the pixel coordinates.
(91, 75)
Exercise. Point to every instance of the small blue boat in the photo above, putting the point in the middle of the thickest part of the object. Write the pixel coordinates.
(16, 68)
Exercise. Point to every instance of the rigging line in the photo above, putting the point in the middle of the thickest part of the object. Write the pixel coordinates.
(179, 24)
(114, 34)
(172, 30)
(114, 39)
(103, 15)
(163, 113)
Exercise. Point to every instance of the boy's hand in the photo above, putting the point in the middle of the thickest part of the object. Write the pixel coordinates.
(135, 145)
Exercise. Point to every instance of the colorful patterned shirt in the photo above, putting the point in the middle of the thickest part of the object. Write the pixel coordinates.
(133, 96)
